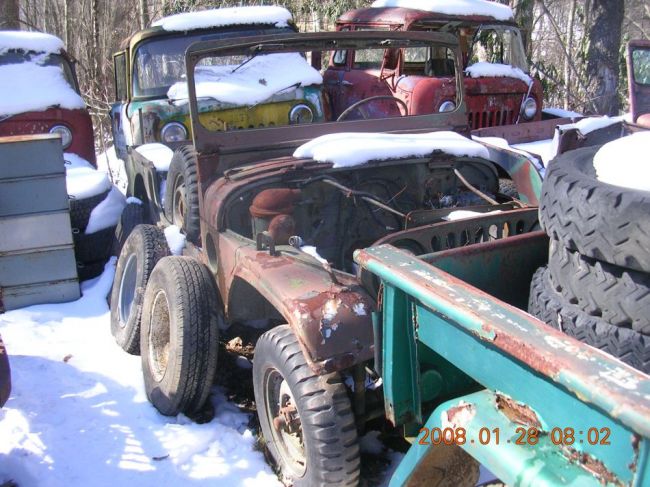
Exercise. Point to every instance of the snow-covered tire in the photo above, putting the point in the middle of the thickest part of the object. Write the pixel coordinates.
(5, 374)
(90, 270)
(80, 210)
(619, 296)
(323, 421)
(507, 187)
(179, 335)
(93, 247)
(132, 216)
(144, 247)
(182, 193)
(547, 305)
(601, 221)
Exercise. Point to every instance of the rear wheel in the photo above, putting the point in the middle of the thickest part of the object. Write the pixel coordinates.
(182, 193)
(132, 216)
(306, 419)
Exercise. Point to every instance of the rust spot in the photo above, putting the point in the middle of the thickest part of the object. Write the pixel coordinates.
(594, 466)
(460, 415)
(518, 412)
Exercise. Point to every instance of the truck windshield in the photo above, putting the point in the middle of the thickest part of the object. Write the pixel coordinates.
(41, 59)
(160, 62)
(497, 44)
(641, 66)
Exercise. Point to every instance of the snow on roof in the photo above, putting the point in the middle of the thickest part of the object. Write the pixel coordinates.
(457, 7)
(253, 82)
(353, 149)
(588, 125)
(30, 87)
(495, 70)
(30, 41)
(621, 163)
(159, 154)
(223, 17)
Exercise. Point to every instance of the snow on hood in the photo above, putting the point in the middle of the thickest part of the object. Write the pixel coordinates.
(30, 41)
(588, 125)
(252, 83)
(30, 87)
(621, 162)
(353, 149)
(159, 154)
(457, 7)
(223, 17)
(495, 70)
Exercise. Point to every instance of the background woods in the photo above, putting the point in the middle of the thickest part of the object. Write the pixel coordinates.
(576, 47)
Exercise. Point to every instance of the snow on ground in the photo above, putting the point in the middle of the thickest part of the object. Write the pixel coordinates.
(175, 239)
(30, 42)
(78, 413)
(353, 149)
(457, 7)
(35, 88)
(560, 112)
(107, 213)
(251, 83)
(82, 179)
(223, 17)
(623, 162)
(496, 70)
(159, 154)
(109, 163)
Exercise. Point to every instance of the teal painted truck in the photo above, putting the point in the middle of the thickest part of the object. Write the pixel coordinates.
(473, 379)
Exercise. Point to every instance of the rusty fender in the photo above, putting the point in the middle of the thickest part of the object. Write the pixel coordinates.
(331, 316)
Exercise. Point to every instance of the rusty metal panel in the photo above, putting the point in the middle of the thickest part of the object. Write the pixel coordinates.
(37, 263)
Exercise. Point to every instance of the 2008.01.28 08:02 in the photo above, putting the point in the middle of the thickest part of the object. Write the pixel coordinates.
(522, 436)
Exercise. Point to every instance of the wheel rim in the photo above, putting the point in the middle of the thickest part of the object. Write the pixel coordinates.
(179, 202)
(159, 336)
(286, 427)
(127, 289)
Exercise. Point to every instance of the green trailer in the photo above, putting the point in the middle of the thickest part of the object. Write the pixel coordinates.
(472, 378)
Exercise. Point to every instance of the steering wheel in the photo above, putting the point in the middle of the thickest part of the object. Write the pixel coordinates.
(356, 105)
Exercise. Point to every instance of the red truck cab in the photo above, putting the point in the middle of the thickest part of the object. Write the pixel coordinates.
(41, 92)
(498, 90)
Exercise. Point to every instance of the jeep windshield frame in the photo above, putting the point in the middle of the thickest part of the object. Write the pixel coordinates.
(245, 145)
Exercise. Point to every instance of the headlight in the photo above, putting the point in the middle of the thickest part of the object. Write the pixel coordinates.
(173, 132)
(301, 114)
(65, 134)
(529, 109)
(447, 106)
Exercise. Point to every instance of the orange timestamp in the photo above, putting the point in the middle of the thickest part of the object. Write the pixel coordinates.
(523, 436)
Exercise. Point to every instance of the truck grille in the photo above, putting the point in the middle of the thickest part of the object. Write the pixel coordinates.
(479, 120)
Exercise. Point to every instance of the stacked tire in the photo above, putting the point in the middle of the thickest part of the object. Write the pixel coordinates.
(596, 286)
(91, 250)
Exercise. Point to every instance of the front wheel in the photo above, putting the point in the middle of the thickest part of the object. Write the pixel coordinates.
(182, 193)
(306, 419)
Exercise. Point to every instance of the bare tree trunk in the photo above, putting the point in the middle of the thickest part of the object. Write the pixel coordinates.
(67, 24)
(144, 14)
(524, 15)
(602, 56)
(569, 48)
(10, 15)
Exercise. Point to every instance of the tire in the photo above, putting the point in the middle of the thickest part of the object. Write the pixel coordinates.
(141, 252)
(182, 193)
(93, 247)
(132, 216)
(330, 452)
(619, 296)
(80, 210)
(179, 335)
(601, 221)
(90, 270)
(5, 374)
(627, 345)
(508, 188)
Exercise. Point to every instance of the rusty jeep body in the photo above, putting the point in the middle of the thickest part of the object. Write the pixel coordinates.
(423, 81)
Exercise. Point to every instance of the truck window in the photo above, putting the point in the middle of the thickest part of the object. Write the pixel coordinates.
(423, 61)
(119, 62)
(497, 44)
(641, 65)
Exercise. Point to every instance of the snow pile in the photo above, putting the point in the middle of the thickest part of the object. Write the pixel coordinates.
(311, 250)
(353, 149)
(82, 179)
(253, 82)
(107, 213)
(159, 154)
(588, 125)
(78, 413)
(456, 7)
(464, 214)
(175, 239)
(30, 42)
(624, 162)
(30, 87)
(496, 70)
(109, 163)
(223, 17)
